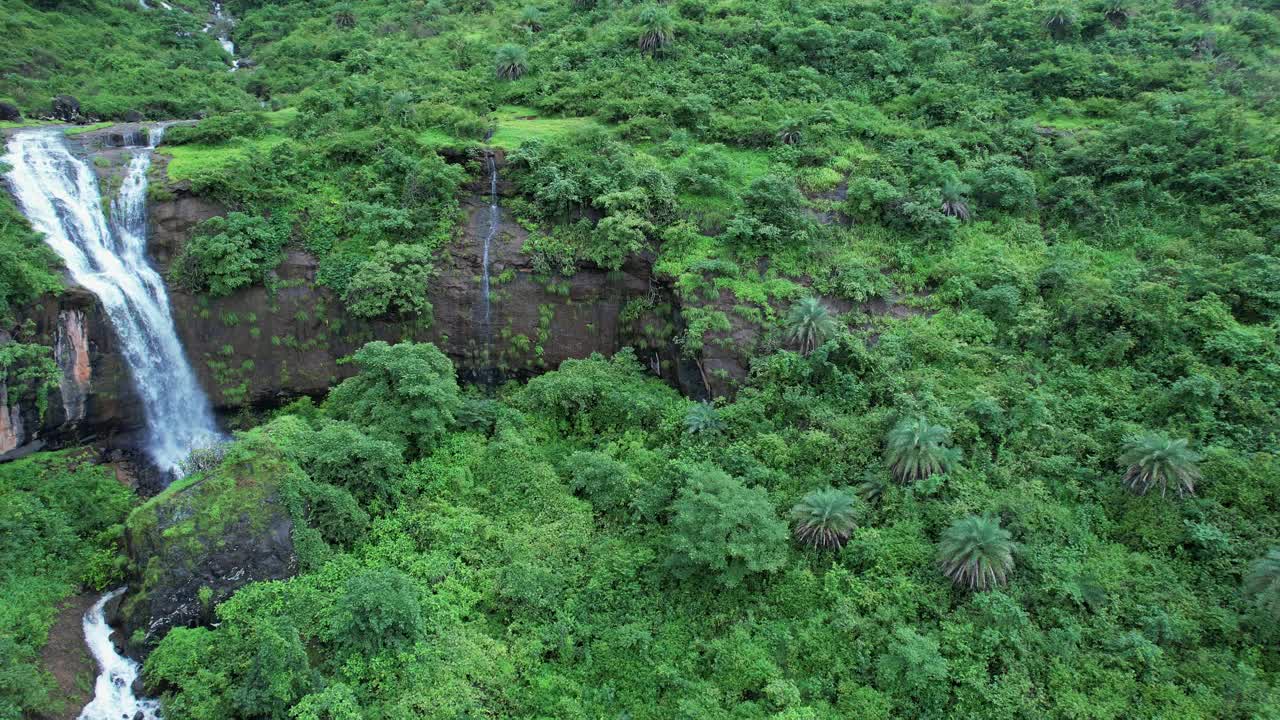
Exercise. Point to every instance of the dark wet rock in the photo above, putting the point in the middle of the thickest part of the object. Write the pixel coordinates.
(10, 112)
(133, 116)
(95, 401)
(191, 547)
(66, 108)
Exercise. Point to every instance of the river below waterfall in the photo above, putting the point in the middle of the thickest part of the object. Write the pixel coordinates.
(113, 697)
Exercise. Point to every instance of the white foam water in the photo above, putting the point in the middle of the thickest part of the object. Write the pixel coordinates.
(113, 697)
(58, 192)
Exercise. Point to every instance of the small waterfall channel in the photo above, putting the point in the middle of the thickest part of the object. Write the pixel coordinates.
(221, 27)
(484, 372)
(59, 194)
(113, 697)
(495, 219)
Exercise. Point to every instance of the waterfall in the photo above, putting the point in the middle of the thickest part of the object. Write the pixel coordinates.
(59, 194)
(113, 697)
(494, 220)
(221, 26)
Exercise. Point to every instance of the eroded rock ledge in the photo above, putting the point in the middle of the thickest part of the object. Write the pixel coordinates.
(261, 347)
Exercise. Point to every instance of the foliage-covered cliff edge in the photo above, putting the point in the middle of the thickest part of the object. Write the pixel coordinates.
(937, 373)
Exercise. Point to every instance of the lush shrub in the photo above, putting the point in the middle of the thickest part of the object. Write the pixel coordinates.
(405, 393)
(218, 129)
(726, 529)
(393, 282)
(228, 253)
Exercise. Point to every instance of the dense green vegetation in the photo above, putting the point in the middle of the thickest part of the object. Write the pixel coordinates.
(576, 548)
(1007, 446)
(61, 519)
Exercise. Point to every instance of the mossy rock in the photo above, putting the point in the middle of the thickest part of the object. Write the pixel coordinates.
(193, 545)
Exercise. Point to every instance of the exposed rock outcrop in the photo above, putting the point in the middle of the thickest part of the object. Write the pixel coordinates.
(264, 346)
(95, 401)
(71, 349)
(12, 432)
(193, 545)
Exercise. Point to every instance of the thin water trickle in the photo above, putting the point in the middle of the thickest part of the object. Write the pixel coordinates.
(490, 234)
(59, 194)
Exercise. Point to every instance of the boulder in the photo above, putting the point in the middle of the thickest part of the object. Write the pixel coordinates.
(193, 545)
(66, 108)
(10, 112)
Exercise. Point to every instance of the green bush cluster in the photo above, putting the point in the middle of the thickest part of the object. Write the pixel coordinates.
(582, 535)
(61, 524)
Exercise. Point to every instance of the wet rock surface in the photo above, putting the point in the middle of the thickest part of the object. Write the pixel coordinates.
(195, 544)
(95, 401)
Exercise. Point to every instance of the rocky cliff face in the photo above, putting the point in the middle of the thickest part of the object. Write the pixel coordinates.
(95, 400)
(262, 347)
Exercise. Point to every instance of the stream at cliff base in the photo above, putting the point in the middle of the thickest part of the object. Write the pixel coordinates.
(59, 193)
(113, 697)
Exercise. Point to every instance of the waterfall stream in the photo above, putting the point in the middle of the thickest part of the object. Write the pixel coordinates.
(495, 220)
(58, 192)
(113, 697)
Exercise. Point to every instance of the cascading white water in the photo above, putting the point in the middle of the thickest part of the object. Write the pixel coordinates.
(113, 697)
(221, 26)
(58, 193)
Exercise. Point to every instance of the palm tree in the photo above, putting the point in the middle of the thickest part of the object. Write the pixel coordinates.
(809, 324)
(530, 19)
(976, 553)
(1059, 22)
(1262, 584)
(1116, 14)
(954, 203)
(657, 30)
(702, 419)
(790, 133)
(872, 488)
(915, 449)
(344, 17)
(511, 61)
(824, 519)
(1155, 459)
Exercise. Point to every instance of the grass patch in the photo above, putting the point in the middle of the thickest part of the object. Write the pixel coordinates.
(185, 161)
(517, 125)
(438, 139)
(81, 129)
